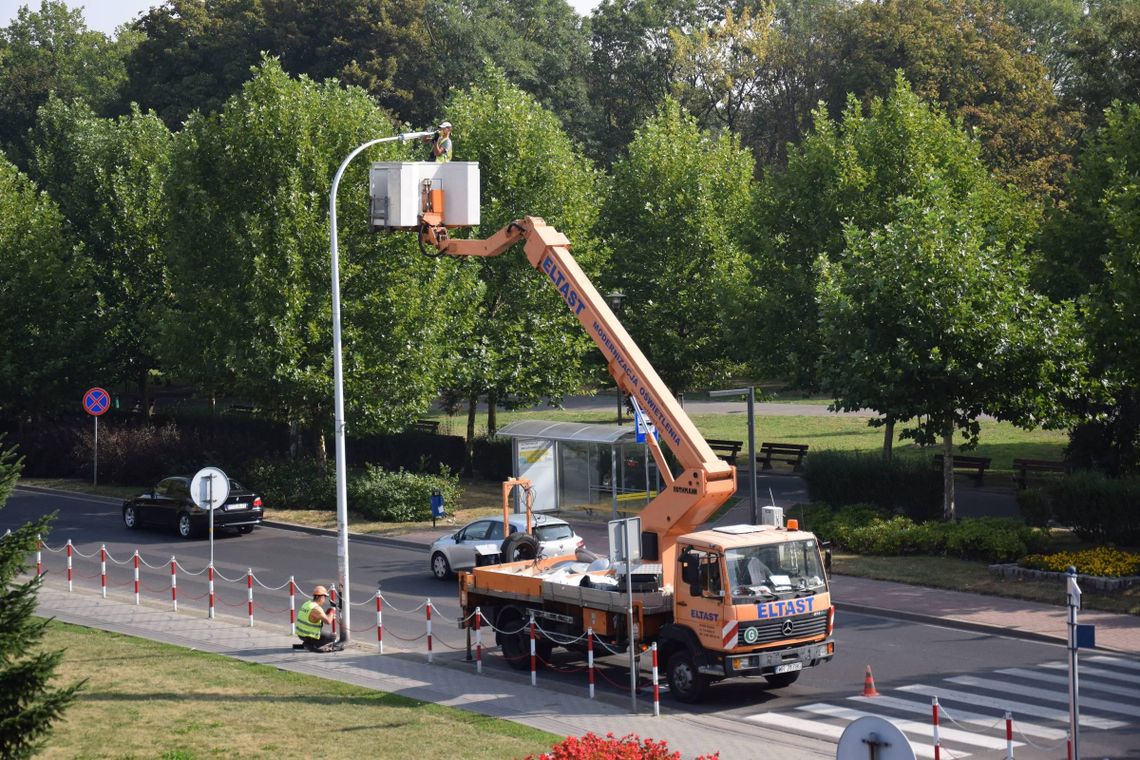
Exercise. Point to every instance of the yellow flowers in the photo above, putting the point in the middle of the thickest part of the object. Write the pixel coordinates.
(1102, 561)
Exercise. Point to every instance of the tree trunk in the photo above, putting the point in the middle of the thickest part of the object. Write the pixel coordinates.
(492, 418)
(469, 459)
(322, 452)
(888, 439)
(294, 439)
(948, 510)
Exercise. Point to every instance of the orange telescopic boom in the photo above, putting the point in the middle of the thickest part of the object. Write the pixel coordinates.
(705, 482)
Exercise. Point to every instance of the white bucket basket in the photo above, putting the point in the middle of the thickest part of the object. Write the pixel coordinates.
(396, 188)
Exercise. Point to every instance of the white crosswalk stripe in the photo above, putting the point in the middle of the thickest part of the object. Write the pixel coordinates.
(972, 717)
(1048, 695)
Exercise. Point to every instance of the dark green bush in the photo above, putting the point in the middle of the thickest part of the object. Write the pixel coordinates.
(293, 483)
(1035, 506)
(1098, 508)
(138, 454)
(399, 496)
(904, 485)
(491, 458)
(835, 525)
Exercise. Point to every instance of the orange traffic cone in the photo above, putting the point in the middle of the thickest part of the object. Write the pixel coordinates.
(869, 684)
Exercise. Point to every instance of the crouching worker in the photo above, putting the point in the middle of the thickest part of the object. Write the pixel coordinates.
(310, 620)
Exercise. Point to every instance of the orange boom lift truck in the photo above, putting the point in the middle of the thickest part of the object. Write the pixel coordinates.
(741, 600)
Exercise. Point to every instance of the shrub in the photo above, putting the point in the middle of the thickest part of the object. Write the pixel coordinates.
(292, 483)
(835, 525)
(1102, 561)
(399, 496)
(593, 747)
(1035, 506)
(137, 454)
(905, 484)
(411, 450)
(1097, 508)
(491, 458)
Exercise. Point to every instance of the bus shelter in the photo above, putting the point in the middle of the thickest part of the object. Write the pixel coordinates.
(575, 466)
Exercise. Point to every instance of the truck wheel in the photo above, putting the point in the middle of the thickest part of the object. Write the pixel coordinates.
(519, 546)
(782, 680)
(685, 682)
(514, 640)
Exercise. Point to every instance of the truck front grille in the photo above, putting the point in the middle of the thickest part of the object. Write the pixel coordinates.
(769, 631)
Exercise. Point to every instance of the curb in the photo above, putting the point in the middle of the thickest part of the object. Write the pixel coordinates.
(360, 537)
(962, 625)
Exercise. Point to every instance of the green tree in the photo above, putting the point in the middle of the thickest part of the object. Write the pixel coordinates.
(1105, 53)
(930, 319)
(523, 346)
(47, 309)
(1091, 251)
(1048, 26)
(849, 172)
(29, 703)
(248, 257)
(673, 223)
(717, 78)
(52, 51)
(108, 176)
(964, 56)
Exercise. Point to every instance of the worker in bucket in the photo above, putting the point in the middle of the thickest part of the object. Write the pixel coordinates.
(440, 143)
(310, 620)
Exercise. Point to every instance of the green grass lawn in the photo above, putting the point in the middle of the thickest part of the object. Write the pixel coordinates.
(144, 699)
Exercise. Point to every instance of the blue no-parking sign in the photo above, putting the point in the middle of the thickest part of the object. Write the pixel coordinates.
(96, 401)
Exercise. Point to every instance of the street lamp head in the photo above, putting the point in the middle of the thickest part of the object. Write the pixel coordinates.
(615, 298)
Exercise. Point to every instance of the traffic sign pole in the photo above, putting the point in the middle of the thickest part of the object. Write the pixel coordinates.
(96, 401)
(95, 470)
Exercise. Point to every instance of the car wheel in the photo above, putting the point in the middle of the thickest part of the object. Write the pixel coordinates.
(782, 680)
(130, 516)
(185, 526)
(513, 638)
(685, 682)
(244, 529)
(518, 547)
(440, 567)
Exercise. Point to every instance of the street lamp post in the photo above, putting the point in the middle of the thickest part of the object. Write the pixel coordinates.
(338, 387)
(750, 392)
(615, 298)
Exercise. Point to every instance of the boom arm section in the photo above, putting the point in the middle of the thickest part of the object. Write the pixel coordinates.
(706, 481)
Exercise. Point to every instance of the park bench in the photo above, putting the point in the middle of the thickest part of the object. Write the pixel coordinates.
(726, 450)
(960, 462)
(424, 426)
(789, 453)
(1022, 468)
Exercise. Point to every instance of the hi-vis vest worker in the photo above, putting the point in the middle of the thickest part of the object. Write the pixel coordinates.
(307, 627)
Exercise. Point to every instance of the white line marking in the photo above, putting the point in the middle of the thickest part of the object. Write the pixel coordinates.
(1017, 708)
(960, 716)
(1085, 681)
(1049, 695)
(914, 727)
(791, 724)
(1088, 670)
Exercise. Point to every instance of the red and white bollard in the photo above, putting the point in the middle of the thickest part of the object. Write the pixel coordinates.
(103, 568)
(292, 606)
(249, 589)
(69, 565)
(1009, 736)
(39, 556)
(210, 575)
(136, 576)
(379, 621)
(656, 685)
(533, 655)
(428, 608)
(174, 583)
(478, 640)
(1068, 745)
(590, 658)
(937, 743)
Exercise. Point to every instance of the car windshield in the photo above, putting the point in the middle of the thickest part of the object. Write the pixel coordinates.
(553, 532)
(773, 570)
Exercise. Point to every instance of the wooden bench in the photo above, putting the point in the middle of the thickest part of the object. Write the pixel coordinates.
(789, 453)
(1022, 468)
(981, 464)
(726, 450)
(424, 426)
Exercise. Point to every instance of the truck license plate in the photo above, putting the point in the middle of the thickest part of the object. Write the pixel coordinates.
(790, 667)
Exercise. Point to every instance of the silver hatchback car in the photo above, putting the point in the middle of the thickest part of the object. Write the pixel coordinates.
(480, 542)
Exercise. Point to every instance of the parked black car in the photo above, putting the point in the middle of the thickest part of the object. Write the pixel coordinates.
(169, 504)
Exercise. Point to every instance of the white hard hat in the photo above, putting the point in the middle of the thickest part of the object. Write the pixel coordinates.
(445, 125)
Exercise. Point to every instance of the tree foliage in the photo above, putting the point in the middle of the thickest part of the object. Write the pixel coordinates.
(52, 51)
(29, 702)
(523, 345)
(108, 177)
(1105, 53)
(49, 349)
(673, 223)
(248, 255)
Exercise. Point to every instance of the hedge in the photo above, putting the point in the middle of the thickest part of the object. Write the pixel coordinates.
(904, 485)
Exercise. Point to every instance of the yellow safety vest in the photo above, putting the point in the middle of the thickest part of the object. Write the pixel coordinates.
(307, 629)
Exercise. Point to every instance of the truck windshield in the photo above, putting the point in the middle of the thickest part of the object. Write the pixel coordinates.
(773, 570)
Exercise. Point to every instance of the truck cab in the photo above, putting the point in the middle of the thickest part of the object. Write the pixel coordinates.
(752, 600)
